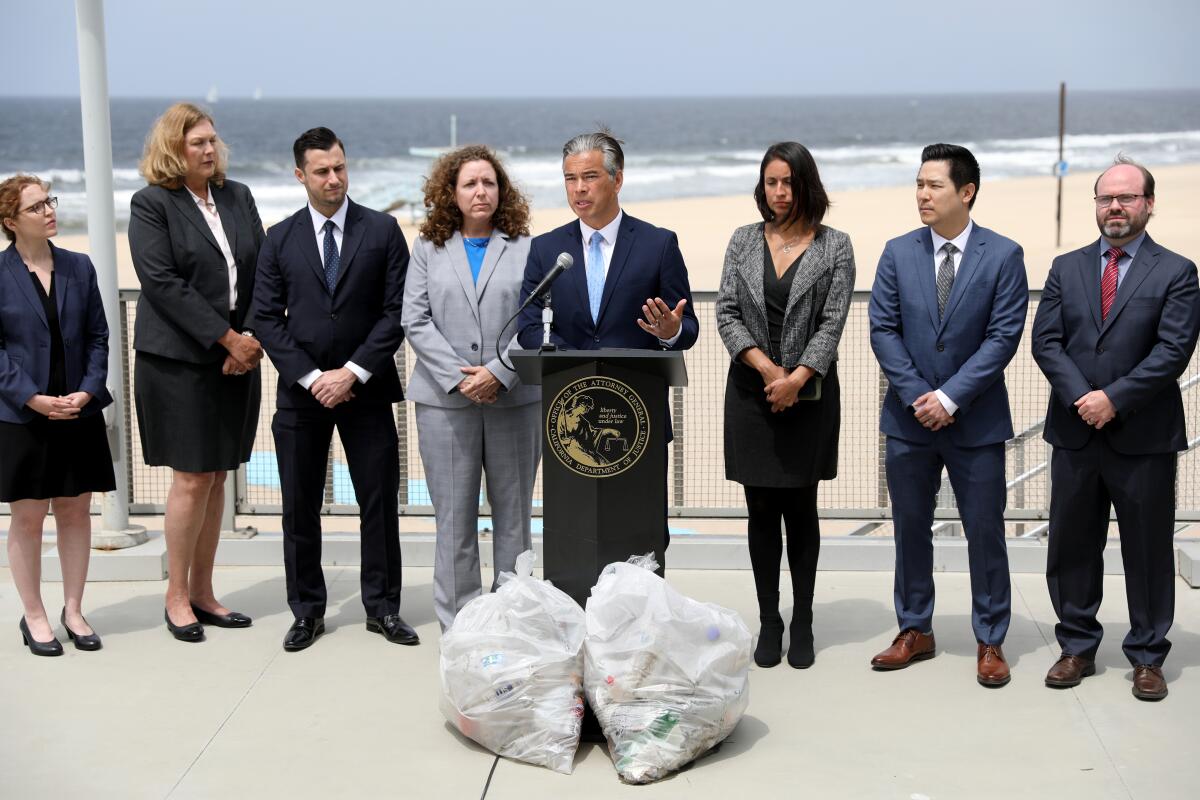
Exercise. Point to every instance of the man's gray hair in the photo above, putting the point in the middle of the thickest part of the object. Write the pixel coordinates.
(603, 141)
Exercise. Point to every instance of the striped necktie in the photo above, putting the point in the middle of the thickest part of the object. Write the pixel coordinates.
(1108, 281)
(945, 277)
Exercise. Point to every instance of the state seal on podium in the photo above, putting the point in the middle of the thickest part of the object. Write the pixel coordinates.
(597, 427)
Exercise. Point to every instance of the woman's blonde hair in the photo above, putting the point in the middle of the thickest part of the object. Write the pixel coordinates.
(162, 161)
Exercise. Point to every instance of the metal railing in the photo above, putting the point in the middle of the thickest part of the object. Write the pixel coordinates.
(696, 475)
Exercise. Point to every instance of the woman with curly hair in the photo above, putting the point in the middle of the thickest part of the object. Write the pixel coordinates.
(473, 413)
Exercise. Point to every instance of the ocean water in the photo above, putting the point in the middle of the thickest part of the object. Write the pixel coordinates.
(674, 147)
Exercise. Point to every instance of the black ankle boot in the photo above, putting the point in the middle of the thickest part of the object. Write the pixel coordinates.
(769, 651)
(801, 654)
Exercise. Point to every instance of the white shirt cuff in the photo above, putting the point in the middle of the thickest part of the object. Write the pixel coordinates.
(307, 380)
(670, 342)
(946, 402)
(360, 373)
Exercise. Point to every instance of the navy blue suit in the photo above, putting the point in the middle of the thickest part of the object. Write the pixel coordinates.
(645, 263)
(1135, 355)
(963, 353)
(25, 334)
(303, 326)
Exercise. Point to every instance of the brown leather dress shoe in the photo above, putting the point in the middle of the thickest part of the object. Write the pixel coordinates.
(1069, 671)
(1149, 683)
(991, 668)
(909, 646)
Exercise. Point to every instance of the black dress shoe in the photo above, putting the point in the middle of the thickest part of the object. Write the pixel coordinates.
(394, 629)
(50, 648)
(89, 641)
(184, 633)
(231, 620)
(303, 633)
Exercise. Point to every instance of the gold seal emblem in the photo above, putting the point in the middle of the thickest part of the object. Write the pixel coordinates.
(598, 427)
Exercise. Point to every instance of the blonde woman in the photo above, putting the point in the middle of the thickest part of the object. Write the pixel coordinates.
(194, 237)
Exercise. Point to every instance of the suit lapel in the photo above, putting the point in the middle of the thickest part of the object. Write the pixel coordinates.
(1089, 276)
(227, 212)
(576, 276)
(976, 244)
(813, 264)
(1143, 262)
(20, 275)
(62, 279)
(305, 239)
(351, 238)
(620, 255)
(491, 258)
(922, 254)
(457, 252)
(187, 206)
(751, 267)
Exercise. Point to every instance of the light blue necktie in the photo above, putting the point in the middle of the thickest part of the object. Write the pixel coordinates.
(595, 274)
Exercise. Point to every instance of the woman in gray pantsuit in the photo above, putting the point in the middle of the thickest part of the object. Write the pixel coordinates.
(784, 296)
(473, 414)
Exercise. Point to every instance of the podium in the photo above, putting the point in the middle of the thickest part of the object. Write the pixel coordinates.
(605, 429)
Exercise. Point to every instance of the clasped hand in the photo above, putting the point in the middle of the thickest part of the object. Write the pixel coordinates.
(930, 412)
(480, 386)
(334, 387)
(782, 387)
(244, 353)
(67, 406)
(1096, 409)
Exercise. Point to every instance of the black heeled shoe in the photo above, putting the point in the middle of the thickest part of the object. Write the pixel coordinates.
(90, 641)
(184, 633)
(50, 648)
(769, 651)
(231, 620)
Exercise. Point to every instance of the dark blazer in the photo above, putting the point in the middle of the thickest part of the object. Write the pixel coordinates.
(303, 327)
(183, 308)
(816, 307)
(966, 352)
(645, 263)
(1135, 356)
(25, 334)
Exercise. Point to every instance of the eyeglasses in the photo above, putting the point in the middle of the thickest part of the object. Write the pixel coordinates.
(1105, 200)
(41, 206)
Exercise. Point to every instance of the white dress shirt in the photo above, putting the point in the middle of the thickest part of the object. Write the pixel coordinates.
(208, 210)
(339, 226)
(960, 246)
(608, 242)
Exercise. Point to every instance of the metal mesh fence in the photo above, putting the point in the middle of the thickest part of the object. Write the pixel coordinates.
(696, 472)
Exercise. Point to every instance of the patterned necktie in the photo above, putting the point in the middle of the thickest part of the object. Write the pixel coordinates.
(332, 258)
(945, 277)
(1108, 281)
(595, 274)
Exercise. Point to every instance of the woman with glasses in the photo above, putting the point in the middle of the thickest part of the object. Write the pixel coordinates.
(53, 368)
(194, 237)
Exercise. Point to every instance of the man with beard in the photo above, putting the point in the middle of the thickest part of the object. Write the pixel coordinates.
(1115, 329)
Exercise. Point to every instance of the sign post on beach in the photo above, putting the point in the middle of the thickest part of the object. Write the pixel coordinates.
(1060, 168)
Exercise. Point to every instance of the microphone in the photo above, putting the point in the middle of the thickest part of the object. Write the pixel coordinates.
(561, 265)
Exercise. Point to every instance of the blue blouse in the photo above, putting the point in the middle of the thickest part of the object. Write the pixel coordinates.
(476, 250)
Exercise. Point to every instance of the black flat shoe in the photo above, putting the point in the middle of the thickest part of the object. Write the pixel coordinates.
(302, 634)
(394, 629)
(50, 648)
(90, 641)
(231, 620)
(184, 633)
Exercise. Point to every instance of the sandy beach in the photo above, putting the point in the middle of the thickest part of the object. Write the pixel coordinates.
(1020, 208)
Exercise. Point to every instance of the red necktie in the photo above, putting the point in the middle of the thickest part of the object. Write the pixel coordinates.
(1108, 281)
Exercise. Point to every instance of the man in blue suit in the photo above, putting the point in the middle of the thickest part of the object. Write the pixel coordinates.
(630, 288)
(327, 306)
(947, 311)
(1115, 329)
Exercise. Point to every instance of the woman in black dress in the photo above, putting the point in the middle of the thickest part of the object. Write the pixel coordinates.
(785, 292)
(53, 368)
(194, 237)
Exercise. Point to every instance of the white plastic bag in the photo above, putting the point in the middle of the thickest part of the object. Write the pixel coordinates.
(667, 676)
(512, 669)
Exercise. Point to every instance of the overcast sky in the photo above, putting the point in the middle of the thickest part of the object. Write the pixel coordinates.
(538, 48)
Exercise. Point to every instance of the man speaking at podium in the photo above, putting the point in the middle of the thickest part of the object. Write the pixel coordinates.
(631, 289)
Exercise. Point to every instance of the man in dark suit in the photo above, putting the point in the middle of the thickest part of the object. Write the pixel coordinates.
(327, 307)
(1115, 329)
(947, 312)
(630, 288)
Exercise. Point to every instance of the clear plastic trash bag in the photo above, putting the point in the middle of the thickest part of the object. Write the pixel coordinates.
(667, 676)
(512, 670)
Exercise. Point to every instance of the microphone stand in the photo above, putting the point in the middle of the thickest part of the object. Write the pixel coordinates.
(547, 320)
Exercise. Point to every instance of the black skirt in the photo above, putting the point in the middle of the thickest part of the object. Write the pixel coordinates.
(191, 417)
(48, 458)
(796, 447)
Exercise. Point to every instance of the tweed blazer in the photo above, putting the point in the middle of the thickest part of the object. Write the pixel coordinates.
(817, 304)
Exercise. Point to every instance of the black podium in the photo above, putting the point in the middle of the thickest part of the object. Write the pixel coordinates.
(605, 428)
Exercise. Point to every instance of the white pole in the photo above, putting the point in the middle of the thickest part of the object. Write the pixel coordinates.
(97, 162)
